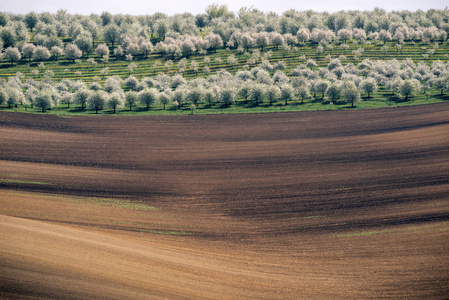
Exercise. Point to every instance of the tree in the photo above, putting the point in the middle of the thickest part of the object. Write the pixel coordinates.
(56, 52)
(45, 99)
(195, 95)
(98, 100)
(179, 97)
(119, 52)
(113, 84)
(384, 36)
(227, 96)
(8, 37)
(344, 34)
(214, 41)
(146, 47)
(441, 83)
(111, 34)
(262, 39)
(359, 34)
(106, 18)
(131, 98)
(210, 96)
(3, 96)
(290, 39)
(161, 28)
(72, 52)
(81, 96)
(41, 53)
(31, 20)
(116, 101)
(321, 87)
(28, 51)
(3, 19)
(334, 63)
(350, 92)
(148, 97)
(246, 40)
(272, 94)
(104, 72)
(131, 82)
(369, 86)
(303, 92)
(178, 80)
(311, 63)
(95, 86)
(84, 43)
(67, 98)
(201, 20)
(195, 66)
(276, 39)
(214, 11)
(232, 60)
(303, 35)
(409, 87)
(164, 99)
(20, 32)
(333, 91)
(287, 92)
(102, 50)
(187, 47)
(53, 40)
(15, 97)
(257, 93)
(12, 55)
(133, 49)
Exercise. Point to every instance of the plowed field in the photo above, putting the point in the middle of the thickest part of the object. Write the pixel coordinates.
(330, 204)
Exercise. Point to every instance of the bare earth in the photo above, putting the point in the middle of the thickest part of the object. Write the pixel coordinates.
(332, 204)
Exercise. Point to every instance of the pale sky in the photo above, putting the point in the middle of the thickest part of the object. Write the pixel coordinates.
(170, 7)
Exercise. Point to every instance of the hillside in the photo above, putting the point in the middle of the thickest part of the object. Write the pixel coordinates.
(222, 62)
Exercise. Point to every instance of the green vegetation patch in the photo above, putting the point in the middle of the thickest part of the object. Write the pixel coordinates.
(22, 182)
(363, 233)
(180, 233)
(303, 218)
(119, 203)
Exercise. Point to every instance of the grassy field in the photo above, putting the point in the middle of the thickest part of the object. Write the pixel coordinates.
(298, 54)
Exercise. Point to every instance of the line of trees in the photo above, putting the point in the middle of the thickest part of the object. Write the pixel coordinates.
(335, 83)
(183, 34)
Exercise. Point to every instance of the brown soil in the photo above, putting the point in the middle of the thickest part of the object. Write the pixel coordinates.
(341, 204)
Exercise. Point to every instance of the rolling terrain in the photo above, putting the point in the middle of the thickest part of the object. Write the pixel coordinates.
(325, 204)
